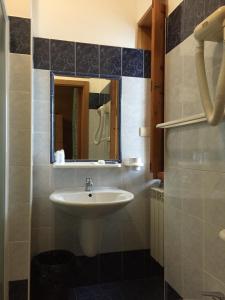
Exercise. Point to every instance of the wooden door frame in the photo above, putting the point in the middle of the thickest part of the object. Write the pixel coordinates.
(83, 113)
(114, 140)
(157, 87)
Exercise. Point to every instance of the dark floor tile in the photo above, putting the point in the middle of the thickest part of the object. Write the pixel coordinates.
(134, 264)
(41, 54)
(132, 62)
(152, 267)
(62, 56)
(20, 35)
(143, 289)
(152, 289)
(87, 270)
(123, 290)
(18, 290)
(53, 294)
(170, 293)
(110, 60)
(110, 267)
(113, 291)
(87, 59)
(90, 293)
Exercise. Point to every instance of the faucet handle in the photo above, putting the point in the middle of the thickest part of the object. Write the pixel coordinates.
(214, 295)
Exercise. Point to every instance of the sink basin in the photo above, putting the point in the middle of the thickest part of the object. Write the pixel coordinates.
(94, 204)
(90, 208)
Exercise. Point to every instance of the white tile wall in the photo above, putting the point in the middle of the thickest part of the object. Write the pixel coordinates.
(126, 229)
(19, 206)
(194, 183)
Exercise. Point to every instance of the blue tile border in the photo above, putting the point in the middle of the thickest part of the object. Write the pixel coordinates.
(87, 59)
(182, 21)
(84, 59)
(20, 35)
(110, 60)
(41, 57)
(132, 62)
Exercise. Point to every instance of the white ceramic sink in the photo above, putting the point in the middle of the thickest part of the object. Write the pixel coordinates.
(90, 208)
(93, 204)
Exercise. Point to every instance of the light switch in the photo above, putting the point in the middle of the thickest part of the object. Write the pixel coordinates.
(144, 131)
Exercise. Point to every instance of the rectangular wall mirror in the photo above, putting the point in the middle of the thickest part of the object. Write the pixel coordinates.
(85, 118)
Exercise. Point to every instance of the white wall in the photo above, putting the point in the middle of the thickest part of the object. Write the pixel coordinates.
(20, 8)
(172, 4)
(142, 6)
(101, 21)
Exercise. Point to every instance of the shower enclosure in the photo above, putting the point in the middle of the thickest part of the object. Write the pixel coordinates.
(3, 140)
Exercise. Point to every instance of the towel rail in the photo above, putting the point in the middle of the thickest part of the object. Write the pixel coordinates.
(198, 118)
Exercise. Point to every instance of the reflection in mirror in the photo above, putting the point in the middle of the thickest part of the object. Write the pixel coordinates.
(86, 118)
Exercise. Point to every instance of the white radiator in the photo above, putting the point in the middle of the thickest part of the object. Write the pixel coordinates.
(157, 225)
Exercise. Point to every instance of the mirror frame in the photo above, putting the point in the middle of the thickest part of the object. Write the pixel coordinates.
(52, 120)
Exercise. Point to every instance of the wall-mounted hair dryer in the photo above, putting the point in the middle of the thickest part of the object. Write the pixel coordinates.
(102, 110)
(211, 29)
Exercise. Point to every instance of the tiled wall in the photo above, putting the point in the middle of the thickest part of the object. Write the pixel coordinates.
(19, 156)
(182, 21)
(195, 164)
(90, 59)
(126, 229)
(51, 228)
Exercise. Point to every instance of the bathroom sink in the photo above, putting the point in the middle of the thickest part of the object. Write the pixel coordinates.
(90, 208)
(94, 204)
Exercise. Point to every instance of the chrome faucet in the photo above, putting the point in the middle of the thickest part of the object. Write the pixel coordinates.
(88, 184)
(214, 295)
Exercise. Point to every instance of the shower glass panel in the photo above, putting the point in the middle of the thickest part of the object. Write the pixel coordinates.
(3, 26)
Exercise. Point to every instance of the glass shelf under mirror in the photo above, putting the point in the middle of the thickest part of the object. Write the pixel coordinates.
(79, 165)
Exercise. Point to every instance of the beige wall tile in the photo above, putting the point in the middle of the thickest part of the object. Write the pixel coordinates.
(20, 72)
(41, 148)
(19, 191)
(19, 260)
(41, 85)
(20, 110)
(214, 252)
(19, 221)
(20, 147)
(41, 116)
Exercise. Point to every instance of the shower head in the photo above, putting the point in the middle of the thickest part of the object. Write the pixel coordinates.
(105, 108)
(212, 28)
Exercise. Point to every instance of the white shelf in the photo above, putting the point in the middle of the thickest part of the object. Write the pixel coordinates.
(133, 164)
(199, 118)
(85, 165)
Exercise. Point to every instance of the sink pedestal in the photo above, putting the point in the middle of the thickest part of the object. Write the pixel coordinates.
(90, 234)
(91, 208)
